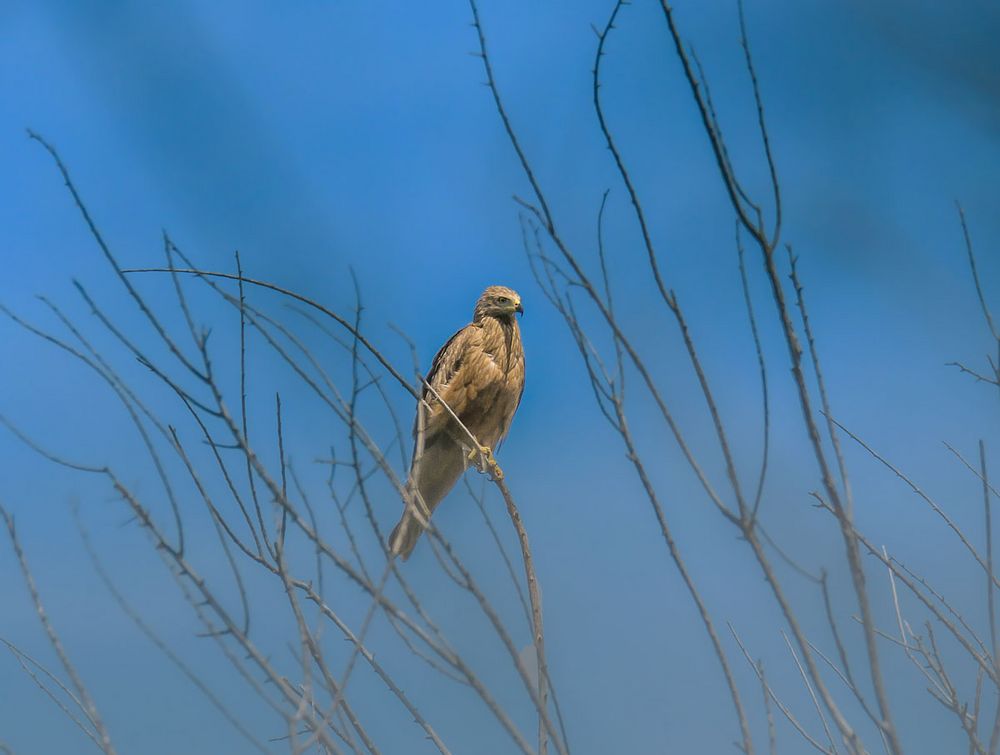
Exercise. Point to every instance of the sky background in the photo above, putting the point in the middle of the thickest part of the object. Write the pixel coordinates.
(322, 137)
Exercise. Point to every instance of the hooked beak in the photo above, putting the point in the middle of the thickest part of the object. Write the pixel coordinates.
(519, 308)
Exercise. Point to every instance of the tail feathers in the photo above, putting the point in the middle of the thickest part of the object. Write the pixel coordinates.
(404, 536)
(441, 466)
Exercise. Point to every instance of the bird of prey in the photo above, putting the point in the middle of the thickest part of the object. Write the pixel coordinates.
(479, 375)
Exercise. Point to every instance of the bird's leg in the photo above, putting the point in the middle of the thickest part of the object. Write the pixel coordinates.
(485, 461)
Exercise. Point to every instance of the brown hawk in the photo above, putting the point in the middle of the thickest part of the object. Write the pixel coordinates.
(479, 374)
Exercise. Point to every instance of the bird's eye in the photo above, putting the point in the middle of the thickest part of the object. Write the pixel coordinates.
(503, 300)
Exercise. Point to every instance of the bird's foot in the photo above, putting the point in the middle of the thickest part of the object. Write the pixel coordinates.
(485, 462)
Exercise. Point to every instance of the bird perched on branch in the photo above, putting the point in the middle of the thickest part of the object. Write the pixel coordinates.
(478, 378)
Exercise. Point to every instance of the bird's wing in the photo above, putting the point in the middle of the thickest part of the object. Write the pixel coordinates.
(516, 380)
(456, 370)
(448, 361)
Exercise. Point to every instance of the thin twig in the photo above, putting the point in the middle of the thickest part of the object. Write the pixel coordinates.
(87, 702)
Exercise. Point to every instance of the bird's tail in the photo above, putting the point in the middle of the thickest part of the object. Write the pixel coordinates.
(440, 467)
(404, 536)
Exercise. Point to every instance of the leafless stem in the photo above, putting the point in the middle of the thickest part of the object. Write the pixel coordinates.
(87, 703)
(759, 670)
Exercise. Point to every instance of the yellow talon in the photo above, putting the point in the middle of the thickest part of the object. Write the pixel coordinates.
(485, 461)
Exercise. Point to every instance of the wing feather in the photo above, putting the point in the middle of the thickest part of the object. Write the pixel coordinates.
(450, 376)
(516, 379)
(448, 360)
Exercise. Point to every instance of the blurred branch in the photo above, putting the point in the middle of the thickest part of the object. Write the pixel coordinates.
(759, 670)
(84, 700)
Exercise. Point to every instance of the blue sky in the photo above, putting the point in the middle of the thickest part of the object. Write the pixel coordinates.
(321, 137)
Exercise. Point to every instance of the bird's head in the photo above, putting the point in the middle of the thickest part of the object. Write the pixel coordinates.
(498, 301)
